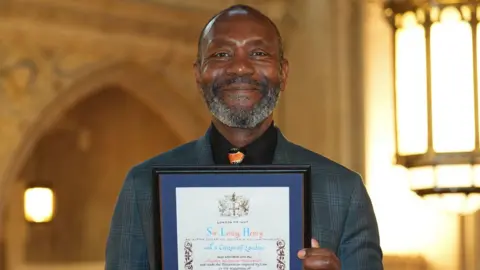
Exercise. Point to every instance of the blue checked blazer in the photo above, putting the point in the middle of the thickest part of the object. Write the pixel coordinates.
(343, 219)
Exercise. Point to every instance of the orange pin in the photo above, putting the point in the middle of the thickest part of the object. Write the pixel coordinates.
(235, 156)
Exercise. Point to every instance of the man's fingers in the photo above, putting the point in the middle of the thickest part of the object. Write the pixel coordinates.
(315, 243)
(319, 258)
(302, 254)
(321, 262)
(309, 252)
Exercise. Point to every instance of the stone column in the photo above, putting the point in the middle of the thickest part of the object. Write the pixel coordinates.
(470, 242)
(322, 106)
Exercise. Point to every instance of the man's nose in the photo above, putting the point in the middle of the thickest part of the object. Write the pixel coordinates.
(240, 64)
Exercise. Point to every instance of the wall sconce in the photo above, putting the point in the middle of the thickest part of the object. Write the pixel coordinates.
(39, 204)
(437, 98)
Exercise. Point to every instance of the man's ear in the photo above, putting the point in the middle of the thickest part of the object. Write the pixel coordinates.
(196, 71)
(284, 73)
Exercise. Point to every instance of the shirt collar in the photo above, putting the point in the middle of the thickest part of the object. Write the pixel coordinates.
(259, 152)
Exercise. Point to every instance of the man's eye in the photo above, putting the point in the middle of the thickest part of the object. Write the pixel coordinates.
(221, 54)
(259, 54)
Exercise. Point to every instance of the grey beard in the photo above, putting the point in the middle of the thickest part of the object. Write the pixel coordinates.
(238, 117)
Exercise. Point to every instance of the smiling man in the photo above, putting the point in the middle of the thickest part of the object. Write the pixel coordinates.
(241, 71)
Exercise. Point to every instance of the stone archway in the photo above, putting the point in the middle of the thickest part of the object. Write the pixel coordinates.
(149, 87)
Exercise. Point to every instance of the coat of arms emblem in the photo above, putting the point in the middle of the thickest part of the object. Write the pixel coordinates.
(233, 206)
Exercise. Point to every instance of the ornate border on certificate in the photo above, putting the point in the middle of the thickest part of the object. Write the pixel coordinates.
(188, 248)
(281, 254)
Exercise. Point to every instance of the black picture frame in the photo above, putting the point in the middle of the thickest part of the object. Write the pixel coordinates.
(162, 171)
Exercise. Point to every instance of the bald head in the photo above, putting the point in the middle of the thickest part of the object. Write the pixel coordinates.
(234, 11)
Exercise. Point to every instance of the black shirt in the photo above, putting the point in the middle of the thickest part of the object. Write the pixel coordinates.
(259, 152)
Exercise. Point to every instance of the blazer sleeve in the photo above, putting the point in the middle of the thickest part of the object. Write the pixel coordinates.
(126, 246)
(360, 242)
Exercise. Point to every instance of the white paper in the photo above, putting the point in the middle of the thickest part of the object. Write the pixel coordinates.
(250, 237)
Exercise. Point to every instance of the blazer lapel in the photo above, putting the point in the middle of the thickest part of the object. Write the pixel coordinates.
(203, 150)
(281, 156)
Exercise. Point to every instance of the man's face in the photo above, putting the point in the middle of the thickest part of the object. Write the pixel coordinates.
(240, 71)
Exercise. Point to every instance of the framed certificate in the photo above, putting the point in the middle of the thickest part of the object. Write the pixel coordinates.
(231, 217)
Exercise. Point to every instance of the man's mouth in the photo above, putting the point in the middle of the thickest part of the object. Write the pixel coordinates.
(241, 87)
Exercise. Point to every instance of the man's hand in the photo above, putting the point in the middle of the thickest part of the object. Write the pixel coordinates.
(317, 258)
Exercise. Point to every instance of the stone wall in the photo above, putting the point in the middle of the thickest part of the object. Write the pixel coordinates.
(49, 59)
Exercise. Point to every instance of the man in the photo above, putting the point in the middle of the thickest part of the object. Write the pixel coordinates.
(240, 72)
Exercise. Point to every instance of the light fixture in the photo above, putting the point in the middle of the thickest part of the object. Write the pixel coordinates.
(39, 204)
(436, 77)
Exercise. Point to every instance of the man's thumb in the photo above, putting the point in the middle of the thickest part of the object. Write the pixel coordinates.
(315, 243)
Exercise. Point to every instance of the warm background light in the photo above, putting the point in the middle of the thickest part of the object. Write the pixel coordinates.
(453, 114)
(408, 224)
(39, 204)
(412, 118)
(452, 83)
